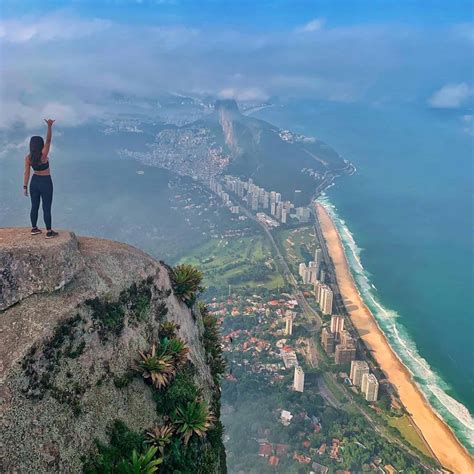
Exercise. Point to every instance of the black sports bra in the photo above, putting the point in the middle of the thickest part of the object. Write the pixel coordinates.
(41, 166)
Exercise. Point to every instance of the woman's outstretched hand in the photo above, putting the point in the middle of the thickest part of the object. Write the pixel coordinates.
(25, 191)
(49, 122)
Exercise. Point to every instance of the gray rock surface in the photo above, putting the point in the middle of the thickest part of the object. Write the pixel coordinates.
(32, 264)
(58, 394)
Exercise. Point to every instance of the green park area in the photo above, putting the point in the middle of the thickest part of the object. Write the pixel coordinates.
(297, 245)
(409, 432)
(242, 262)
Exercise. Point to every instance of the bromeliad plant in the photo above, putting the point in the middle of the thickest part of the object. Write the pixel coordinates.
(186, 281)
(158, 368)
(168, 329)
(161, 363)
(176, 348)
(193, 418)
(145, 463)
(160, 436)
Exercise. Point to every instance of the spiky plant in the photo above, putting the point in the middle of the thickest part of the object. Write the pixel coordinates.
(186, 281)
(212, 343)
(160, 436)
(168, 329)
(177, 349)
(159, 368)
(145, 463)
(193, 418)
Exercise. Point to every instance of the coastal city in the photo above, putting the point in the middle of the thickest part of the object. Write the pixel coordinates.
(279, 345)
(255, 197)
(236, 237)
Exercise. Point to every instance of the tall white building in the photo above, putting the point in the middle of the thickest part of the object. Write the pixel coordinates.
(318, 256)
(318, 259)
(273, 208)
(289, 323)
(302, 213)
(298, 380)
(370, 387)
(302, 270)
(337, 324)
(325, 299)
(304, 273)
(313, 271)
(358, 369)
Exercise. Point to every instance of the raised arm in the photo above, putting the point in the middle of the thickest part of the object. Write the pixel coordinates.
(26, 175)
(49, 135)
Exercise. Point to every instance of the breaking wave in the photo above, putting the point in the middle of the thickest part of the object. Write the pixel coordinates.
(433, 387)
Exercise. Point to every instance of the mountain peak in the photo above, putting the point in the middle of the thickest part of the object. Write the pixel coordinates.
(229, 105)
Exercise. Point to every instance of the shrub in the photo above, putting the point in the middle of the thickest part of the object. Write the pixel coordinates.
(108, 457)
(108, 314)
(212, 344)
(181, 391)
(145, 463)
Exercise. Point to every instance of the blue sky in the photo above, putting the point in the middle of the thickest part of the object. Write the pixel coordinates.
(65, 57)
(257, 14)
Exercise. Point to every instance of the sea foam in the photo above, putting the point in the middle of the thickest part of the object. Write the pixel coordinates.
(431, 384)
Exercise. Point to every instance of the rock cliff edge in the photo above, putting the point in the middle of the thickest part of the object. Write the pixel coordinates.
(74, 314)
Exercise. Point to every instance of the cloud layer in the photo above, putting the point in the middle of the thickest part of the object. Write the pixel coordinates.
(65, 65)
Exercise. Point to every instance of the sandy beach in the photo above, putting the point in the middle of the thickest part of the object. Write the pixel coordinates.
(449, 451)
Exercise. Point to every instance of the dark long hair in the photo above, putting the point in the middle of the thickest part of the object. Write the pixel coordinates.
(36, 150)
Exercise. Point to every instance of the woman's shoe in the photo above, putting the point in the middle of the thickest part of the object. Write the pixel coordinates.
(35, 231)
(50, 234)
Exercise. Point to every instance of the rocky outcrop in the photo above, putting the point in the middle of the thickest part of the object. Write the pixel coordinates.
(29, 266)
(75, 313)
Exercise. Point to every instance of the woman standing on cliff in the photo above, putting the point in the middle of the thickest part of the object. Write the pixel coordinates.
(41, 186)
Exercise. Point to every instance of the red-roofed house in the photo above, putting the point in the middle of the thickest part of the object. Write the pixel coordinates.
(265, 450)
(301, 458)
(273, 461)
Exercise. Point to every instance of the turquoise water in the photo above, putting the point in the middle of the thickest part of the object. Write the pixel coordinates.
(406, 219)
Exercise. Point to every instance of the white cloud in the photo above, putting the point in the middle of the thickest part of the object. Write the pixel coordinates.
(311, 26)
(247, 93)
(450, 96)
(56, 26)
(32, 115)
(85, 60)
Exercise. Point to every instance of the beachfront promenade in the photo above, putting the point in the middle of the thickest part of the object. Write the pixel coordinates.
(449, 451)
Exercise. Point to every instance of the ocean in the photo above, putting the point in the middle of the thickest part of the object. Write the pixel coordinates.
(406, 221)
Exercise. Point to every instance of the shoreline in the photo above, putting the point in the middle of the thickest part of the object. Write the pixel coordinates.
(440, 438)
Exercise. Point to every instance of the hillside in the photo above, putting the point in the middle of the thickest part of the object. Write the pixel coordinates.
(74, 314)
(227, 142)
